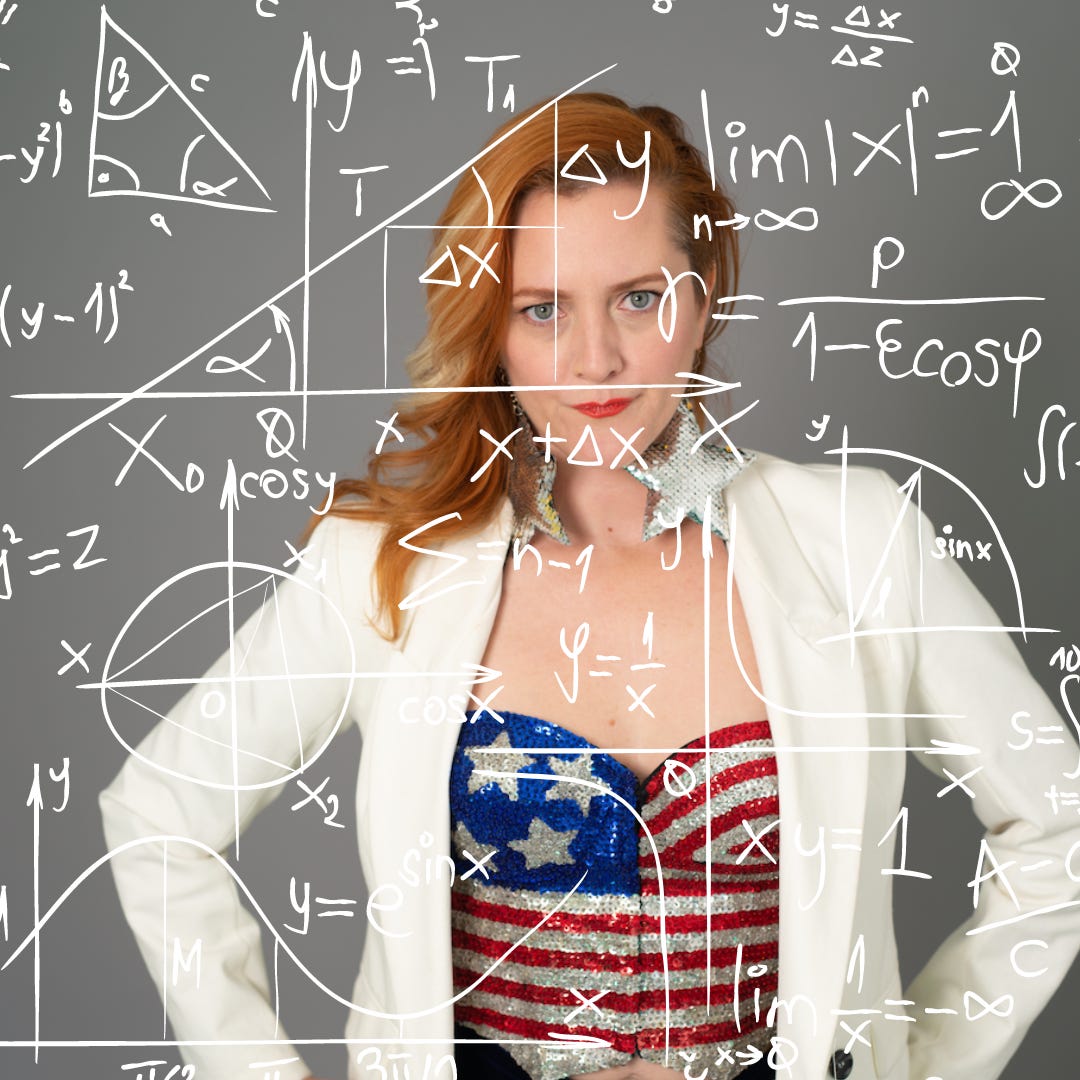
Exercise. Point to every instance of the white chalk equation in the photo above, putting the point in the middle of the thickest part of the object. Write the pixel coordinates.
(866, 36)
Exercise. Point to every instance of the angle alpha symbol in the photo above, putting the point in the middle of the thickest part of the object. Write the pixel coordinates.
(309, 273)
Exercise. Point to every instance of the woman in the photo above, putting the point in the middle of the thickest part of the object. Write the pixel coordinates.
(607, 610)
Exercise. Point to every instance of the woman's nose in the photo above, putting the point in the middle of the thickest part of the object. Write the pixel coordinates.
(594, 349)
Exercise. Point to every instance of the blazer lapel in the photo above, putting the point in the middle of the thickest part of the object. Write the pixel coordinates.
(816, 702)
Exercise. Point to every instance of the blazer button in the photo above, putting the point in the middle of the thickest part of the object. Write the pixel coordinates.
(841, 1064)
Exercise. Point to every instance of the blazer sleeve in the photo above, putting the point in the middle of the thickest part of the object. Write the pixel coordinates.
(270, 702)
(1027, 918)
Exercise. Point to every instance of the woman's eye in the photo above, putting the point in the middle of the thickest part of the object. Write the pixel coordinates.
(540, 313)
(641, 299)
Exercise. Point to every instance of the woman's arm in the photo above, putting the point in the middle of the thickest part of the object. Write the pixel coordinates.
(1034, 897)
(177, 894)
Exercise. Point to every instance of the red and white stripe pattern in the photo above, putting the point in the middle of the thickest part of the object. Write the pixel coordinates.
(655, 974)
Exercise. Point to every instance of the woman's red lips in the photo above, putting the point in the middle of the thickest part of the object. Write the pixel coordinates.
(604, 408)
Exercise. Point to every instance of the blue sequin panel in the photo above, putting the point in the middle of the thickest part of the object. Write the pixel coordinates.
(546, 833)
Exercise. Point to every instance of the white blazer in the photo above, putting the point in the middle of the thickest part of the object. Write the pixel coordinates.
(802, 537)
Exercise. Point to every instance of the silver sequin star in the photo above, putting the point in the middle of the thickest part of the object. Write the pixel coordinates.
(544, 846)
(683, 472)
(578, 768)
(510, 761)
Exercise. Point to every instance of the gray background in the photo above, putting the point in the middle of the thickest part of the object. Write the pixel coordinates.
(219, 265)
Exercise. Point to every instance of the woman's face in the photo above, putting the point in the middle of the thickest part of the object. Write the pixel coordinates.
(601, 329)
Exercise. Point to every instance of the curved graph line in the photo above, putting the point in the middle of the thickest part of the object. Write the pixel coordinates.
(846, 450)
(758, 692)
(162, 642)
(604, 790)
(278, 939)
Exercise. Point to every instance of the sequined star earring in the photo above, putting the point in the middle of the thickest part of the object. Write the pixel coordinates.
(520, 417)
(683, 473)
(532, 478)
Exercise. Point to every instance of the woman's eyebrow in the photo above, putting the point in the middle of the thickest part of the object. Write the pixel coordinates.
(534, 292)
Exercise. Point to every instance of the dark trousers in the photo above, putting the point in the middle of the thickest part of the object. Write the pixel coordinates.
(478, 1061)
(490, 1061)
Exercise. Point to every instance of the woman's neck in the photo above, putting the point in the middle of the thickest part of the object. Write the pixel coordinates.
(600, 506)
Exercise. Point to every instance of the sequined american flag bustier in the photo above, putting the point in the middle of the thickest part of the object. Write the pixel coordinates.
(580, 897)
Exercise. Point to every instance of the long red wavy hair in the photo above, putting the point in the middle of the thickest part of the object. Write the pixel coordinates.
(426, 477)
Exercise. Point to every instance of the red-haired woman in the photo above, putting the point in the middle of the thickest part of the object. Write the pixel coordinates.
(616, 807)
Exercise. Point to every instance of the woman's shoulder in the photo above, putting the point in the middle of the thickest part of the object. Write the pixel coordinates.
(339, 555)
(349, 525)
(816, 488)
(350, 543)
